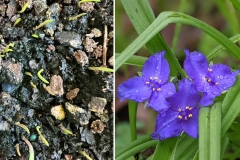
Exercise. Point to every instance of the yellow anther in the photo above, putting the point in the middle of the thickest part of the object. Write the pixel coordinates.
(205, 79)
(209, 80)
(179, 116)
(158, 89)
(190, 109)
(155, 78)
(210, 69)
(151, 77)
(216, 83)
(190, 115)
(153, 89)
(187, 107)
(147, 82)
(179, 110)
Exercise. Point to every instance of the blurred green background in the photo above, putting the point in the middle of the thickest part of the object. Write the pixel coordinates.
(220, 14)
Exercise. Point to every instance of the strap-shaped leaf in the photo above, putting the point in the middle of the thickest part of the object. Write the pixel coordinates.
(132, 109)
(174, 17)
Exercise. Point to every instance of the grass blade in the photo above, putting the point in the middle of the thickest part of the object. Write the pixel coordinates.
(132, 109)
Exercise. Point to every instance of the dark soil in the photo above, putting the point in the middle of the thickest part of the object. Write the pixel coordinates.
(74, 110)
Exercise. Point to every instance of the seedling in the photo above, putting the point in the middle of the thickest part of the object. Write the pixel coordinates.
(82, 1)
(64, 130)
(101, 69)
(85, 155)
(41, 77)
(33, 85)
(41, 136)
(24, 7)
(43, 23)
(17, 21)
(28, 73)
(22, 126)
(35, 35)
(31, 151)
(17, 149)
(75, 17)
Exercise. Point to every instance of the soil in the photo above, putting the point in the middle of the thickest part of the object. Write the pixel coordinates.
(45, 80)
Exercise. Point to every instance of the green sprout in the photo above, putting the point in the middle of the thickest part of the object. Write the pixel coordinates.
(75, 17)
(31, 151)
(41, 77)
(101, 69)
(82, 1)
(43, 23)
(17, 21)
(22, 126)
(41, 136)
(24, 7)
(17, 149)
(28, 73)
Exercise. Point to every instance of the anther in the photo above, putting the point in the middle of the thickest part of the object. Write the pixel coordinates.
(216, 83)
(158, 89)
(190, 109)
(190, 115)
(147, 82)
(153, 89)
(187, 107)
(151, 78)
(155, 78)
(209, 69)
(209, 80)
(179, 110)
(179, 116)
(205, 79)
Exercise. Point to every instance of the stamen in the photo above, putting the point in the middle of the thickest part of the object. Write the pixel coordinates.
(209, 69)
(190, 109)
(155, 78)
(151, 77)
(158, 89)
(153, 89)
(190, 115)
(209, 80)
(179, 116)
(216, 83)
(179, 110)
(205, 79)
(187, 107)
(147, 82)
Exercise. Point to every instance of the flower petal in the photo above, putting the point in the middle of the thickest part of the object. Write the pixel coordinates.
(190, 126)
(157, 101)
(207, 99)
(187, 96)
(167, 125)
(156, 66)
(196, 65)
(135, 89)
(224, 78)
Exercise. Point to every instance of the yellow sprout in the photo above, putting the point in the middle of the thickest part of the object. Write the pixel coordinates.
(28, 73)
(17, 149)
(23, 126)
(17, 21)
(35, 36)
(65, 130)
(85, 155)
(33, 85)
(43, 23)
(41, 136)
(101, 69)
(24, 7)
(75, 17)
(82, 1)
(41, 77)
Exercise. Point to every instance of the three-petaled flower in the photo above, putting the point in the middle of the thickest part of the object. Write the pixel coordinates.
(152, 85)
(210, 80)
(182, 114)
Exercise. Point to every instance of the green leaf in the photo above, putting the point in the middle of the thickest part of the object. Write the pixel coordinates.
(234, 135)
(141, 16)
(236, 4)
(215, 132)
(224, 144)
(132, 109)
(230, 106)
(133, 150)
(174, 17)
(165, 149)
(134, 60)
(135, 143)
(204, 132)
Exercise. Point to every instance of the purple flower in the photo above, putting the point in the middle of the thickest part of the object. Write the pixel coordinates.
(152, 86)
(182, 114)
(210, 80)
